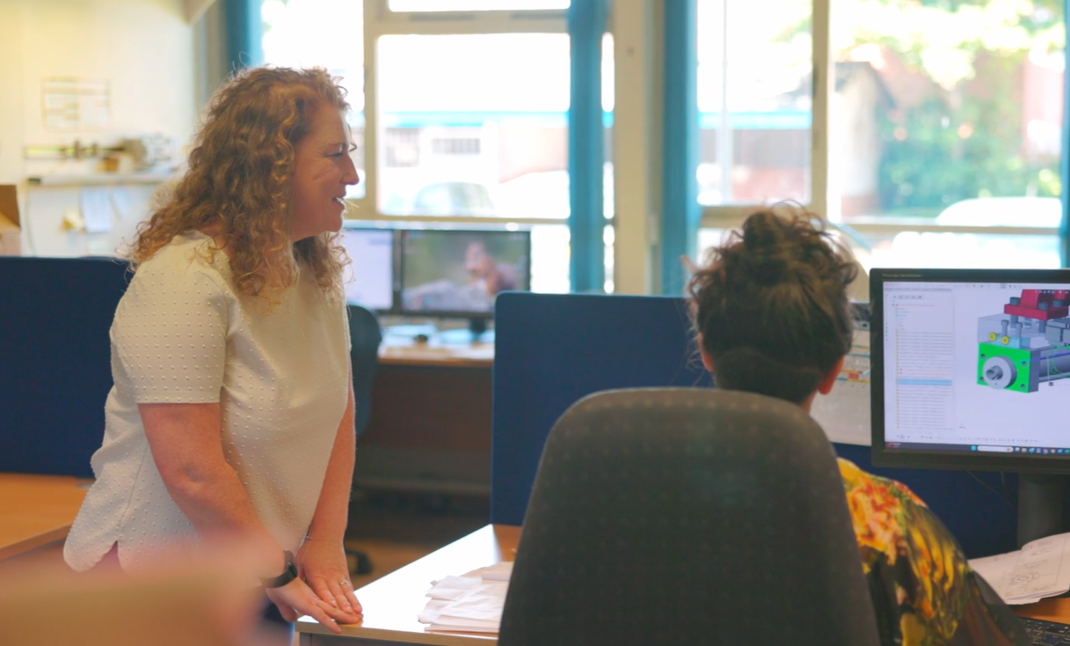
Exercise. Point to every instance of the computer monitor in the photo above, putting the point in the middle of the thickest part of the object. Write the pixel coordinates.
(370, 278)
(459, 272)
(971, 370)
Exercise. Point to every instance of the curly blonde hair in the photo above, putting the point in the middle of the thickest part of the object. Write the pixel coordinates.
(238, 180)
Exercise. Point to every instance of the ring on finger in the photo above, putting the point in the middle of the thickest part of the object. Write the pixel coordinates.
(344, 583)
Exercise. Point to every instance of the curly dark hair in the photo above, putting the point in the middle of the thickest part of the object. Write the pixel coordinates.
(239, 180)
(771, 304)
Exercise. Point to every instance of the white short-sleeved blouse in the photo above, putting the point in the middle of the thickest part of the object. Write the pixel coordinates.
(182, 333)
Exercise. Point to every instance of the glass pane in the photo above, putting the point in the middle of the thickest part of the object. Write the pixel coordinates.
(708, 238)
(471, 134)
(945, 249)
(754, 101)
(949, 113)
(550, 258)
(322, 33)
(475, 5)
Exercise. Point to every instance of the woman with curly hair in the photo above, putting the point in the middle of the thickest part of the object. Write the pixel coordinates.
(232, 412)
(772, 317)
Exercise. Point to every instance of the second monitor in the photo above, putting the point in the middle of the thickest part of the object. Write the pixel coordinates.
(459, 272)
(370, 276)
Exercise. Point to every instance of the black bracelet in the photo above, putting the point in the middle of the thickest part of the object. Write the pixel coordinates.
(288, 574)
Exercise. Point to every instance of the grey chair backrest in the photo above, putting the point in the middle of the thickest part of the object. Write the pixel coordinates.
(687, 515)
(365, 335)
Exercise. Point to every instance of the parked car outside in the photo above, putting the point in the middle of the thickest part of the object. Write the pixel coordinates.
(983, 250)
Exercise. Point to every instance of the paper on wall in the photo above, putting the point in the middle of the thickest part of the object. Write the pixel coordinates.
(96, 209)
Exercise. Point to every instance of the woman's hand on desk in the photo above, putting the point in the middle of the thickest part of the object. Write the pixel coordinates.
(322, 563)
(296, 598)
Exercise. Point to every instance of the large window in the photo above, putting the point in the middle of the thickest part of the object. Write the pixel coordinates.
(462, 118)
(938, 142)
(944, 128)
(755, 101)
(325, 33)
(947, 123)
(470, 134)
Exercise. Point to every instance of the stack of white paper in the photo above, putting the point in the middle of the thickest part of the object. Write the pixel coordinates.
(1040, 569)
(469, 603)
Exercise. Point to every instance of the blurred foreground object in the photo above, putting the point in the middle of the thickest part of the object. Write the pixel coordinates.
(205, 606)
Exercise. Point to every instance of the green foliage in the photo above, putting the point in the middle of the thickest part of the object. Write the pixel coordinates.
(965, 139)
(934, 166)
(963, 145)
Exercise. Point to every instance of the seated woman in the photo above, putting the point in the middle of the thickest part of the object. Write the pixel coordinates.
(772, 316)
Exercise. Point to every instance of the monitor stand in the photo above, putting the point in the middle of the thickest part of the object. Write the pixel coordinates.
(1040, 506)
(478, 328)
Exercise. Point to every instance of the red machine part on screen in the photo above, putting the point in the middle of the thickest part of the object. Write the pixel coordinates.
(1028, 344)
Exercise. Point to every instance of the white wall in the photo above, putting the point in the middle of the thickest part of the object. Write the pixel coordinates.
(144, 48)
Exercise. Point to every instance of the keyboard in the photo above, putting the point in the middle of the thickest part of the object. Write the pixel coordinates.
(1046, 633)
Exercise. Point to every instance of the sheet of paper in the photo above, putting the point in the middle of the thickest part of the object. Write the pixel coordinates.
(96, 209)
(1040, 569)
(477, 610)
(469, 603)
(453, 587)
(122, 201)
(844, 412)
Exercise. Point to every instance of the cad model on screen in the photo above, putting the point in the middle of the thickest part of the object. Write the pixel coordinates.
(1026, 345)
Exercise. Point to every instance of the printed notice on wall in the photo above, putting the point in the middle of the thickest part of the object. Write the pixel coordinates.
(74, 104)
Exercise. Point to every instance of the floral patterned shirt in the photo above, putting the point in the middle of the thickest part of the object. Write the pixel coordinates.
(923, 590)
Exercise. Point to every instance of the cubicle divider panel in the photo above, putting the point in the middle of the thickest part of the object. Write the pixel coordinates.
(551, 350)
(55, 366)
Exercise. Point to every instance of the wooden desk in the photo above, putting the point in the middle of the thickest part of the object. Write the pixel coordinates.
(36, 510)
(392, 603)
(1051, 609)
(430, 422)
(396, 352)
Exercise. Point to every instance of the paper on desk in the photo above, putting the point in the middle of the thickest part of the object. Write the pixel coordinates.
(469, 603)
(453, 587)
(1040, 569)
(478, 609)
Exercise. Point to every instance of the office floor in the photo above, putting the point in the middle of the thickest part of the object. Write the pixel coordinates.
(395, 529)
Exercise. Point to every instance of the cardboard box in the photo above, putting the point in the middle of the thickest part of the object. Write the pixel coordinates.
(10, 233)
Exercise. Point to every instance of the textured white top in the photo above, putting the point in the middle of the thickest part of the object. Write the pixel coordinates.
(182, 333)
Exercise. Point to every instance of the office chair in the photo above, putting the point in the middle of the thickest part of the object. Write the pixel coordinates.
(365, 335)
(687, 515)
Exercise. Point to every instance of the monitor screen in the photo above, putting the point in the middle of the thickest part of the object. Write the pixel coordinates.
(370, 278)
(971, 369)
(459, 272)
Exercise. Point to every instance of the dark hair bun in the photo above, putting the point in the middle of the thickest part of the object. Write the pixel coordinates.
(767, 250)
(771, 304)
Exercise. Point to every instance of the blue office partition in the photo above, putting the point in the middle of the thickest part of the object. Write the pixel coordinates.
(551, 350)
(55, 366)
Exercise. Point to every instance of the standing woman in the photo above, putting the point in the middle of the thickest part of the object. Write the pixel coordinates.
(232, 410)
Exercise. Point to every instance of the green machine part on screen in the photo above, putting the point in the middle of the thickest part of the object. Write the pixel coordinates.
(1028, 344)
